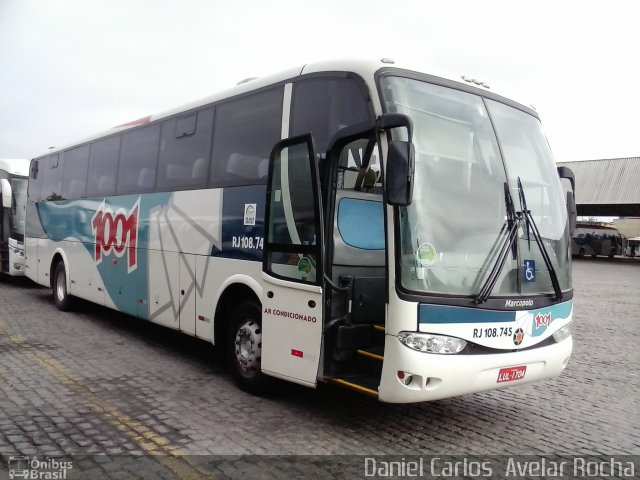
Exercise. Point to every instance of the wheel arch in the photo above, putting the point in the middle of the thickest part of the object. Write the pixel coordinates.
(234, 290)
(59, 256)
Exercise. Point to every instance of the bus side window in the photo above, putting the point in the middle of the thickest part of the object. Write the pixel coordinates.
(35, 179)
(245, 131)
(52, 181)
(138, 160)
(103, 166)
(75, 172)
(184, 145)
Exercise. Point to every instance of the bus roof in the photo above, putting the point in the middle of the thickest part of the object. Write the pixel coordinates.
(15, 166)
(364, 68)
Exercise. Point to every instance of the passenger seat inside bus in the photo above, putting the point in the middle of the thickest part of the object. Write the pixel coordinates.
(146, 178)
(106, 184)
(199, 171)
(177, 173)
(242, 166)
(76, 188)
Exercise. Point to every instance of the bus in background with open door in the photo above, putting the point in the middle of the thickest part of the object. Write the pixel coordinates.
(399, 233)
(14, 174)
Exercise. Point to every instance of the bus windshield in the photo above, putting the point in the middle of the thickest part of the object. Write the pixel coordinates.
(470, 152)
(19, 191)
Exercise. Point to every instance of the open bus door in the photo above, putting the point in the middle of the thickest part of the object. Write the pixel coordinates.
(5, 225)
(292, 303)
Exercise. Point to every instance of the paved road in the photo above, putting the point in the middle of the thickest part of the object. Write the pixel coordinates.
(94, 381)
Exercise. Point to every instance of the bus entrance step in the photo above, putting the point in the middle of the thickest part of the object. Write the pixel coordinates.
(368, 361)
(361, 383)
(375, 352)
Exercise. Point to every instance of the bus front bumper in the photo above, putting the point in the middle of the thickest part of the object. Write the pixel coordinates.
(16, 258)
(427, 376)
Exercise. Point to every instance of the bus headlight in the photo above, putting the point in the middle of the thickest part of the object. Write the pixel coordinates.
(562, 334)
(429, 343)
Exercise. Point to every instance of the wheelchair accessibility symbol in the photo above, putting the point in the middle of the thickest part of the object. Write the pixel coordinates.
(529, 271)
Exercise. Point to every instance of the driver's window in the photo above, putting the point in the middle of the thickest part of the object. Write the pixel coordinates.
(359, 237)
(324, 105)
(359, 167)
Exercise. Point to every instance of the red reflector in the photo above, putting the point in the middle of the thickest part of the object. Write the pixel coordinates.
(297, 353)
(200, 317)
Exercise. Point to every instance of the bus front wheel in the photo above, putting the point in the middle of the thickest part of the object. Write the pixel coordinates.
(244, 348)
(60, 295)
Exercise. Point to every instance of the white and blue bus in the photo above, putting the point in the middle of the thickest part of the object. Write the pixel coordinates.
(399, 233)
(14, 175)
(592, 238)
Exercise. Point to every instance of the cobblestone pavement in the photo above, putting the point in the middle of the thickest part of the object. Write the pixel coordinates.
(96, 382)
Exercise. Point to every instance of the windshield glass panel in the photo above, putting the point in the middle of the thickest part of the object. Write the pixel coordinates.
(457, 214)
(19, 187)
(528, 157)
(451, 233)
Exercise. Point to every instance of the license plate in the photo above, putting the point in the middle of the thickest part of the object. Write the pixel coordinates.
(512, 373)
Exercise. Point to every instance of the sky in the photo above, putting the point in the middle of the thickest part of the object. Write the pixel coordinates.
(73, 68)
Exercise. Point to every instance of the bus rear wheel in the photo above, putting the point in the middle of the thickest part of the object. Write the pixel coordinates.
(61, 297)
(244, 348)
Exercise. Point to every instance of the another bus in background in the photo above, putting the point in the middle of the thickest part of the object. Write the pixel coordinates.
(595, 239)
(14, 174)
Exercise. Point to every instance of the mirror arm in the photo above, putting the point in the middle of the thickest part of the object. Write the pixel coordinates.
(395, 120)
(565, 172)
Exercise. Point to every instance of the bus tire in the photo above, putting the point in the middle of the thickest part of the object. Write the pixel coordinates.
(244, 348)
(61, 297)
(581, 252)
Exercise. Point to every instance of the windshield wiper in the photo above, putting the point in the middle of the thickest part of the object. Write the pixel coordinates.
(531, 225)
(511, 225)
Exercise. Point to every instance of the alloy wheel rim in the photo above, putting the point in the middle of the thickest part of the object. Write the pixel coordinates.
(60, 286)
(248, 347)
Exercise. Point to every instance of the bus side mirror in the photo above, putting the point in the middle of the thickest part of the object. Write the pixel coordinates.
(572, 209)
(398, 181)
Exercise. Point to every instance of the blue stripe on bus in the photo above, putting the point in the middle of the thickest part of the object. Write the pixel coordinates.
(430, 314)
(448, 314)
